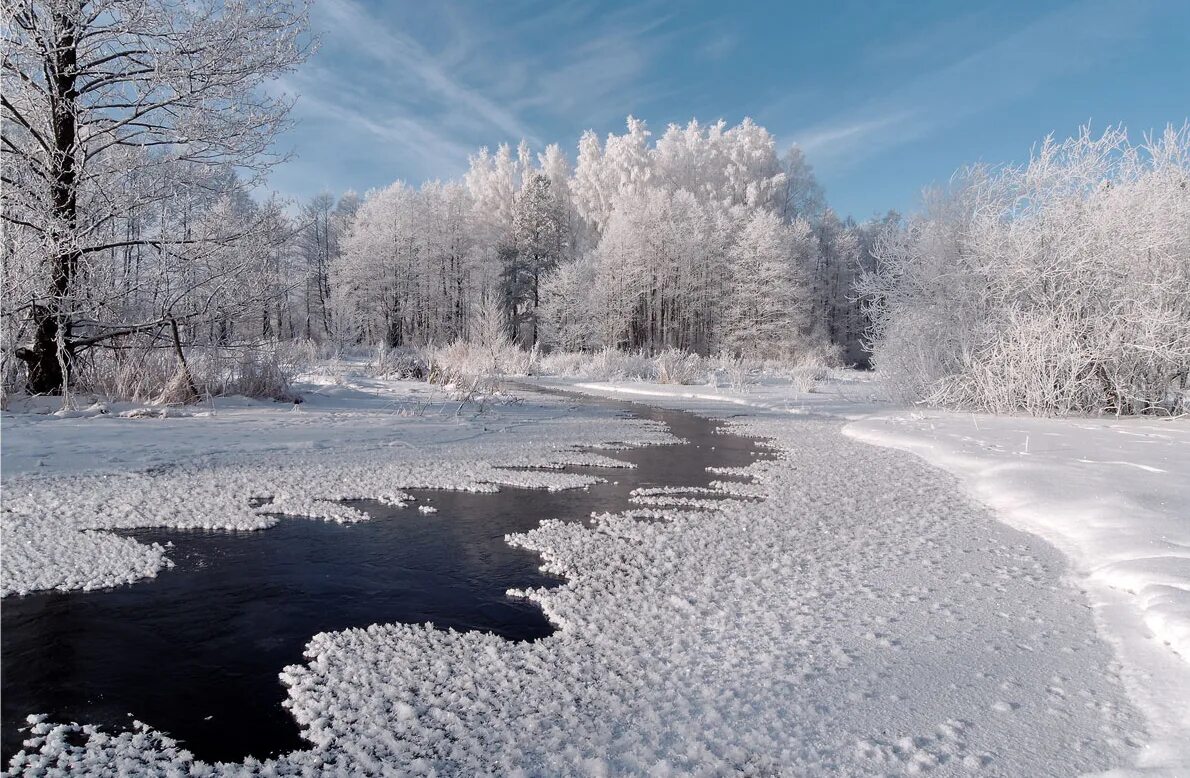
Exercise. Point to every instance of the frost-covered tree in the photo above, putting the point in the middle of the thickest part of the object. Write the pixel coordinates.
(606, 172)
(553, 164)
(319, 244)
(121, 122)
(409, 272)
(659, 253)
(494, 181)
(1060, 286)
(800, 193)
(366, 280)
(539, 240)
(634, 248)
(567, 318)
(832, 277)
(726, 166)
(849, 309)
(769, 301)
(662, 220)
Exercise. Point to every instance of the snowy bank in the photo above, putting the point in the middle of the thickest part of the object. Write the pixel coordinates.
(1114, 496)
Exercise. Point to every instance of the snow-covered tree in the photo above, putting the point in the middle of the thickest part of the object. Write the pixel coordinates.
(801, 194)
(1060, 286)
(539, 239)
(636, 247)
(567, 313)
(121, 122)
(318, 244)
(769, 301)
(410, 270)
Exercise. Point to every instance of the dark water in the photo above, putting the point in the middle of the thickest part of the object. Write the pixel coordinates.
(196, 651)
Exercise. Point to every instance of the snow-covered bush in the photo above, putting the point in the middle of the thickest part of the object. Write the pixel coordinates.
(460, 361)
(256, 374)
(805, 379)
(612, 364)
(607, 364)
(156, 375)
(400, 362)
(564, 363)
(489, 354)
(806, 370)
(1062, 286)
(736, 371)
(679, 367)
(128, 374)
(473, 373)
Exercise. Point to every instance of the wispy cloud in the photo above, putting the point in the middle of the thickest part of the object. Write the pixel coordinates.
(719, 46)
(423, 141)
(409, 90)
(1051, 47)
(486, 83)
(601, 75)
(837, 138)
(407, 61)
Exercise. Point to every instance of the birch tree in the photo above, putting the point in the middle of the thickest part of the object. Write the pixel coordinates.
(769, 303)
(113, 109)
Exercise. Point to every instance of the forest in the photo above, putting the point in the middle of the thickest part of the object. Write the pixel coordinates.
(142, 261)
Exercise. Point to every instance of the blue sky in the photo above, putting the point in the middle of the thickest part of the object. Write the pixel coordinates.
(885, 97)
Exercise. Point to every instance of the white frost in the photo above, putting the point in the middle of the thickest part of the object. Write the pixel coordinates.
(67, 479)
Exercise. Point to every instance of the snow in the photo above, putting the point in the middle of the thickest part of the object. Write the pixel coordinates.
(1114, 496)
(1110, 493)
(865, 615)
(68, 477)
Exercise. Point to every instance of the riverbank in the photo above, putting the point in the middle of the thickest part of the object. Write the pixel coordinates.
(861, 614)
(353, 437)
(1107, 492)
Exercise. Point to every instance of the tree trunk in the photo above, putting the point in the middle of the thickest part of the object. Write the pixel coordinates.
(41, 359)
(183, 368)
(52, 322)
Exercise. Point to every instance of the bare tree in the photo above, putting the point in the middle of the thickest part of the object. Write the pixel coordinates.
(114, 109)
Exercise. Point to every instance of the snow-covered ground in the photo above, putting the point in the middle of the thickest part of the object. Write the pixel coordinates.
(1112, 494)
(867, 617)
(353, 437)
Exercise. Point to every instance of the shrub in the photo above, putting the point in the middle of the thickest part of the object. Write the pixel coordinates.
(737, 371)
(401, 362)
(1059, 287)
(608, 364)
(679, 367)
(155, 376)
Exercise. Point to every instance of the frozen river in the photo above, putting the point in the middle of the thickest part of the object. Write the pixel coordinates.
(196, 652)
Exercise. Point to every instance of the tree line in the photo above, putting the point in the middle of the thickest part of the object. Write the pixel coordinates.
(705, 241)
(134, 135)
